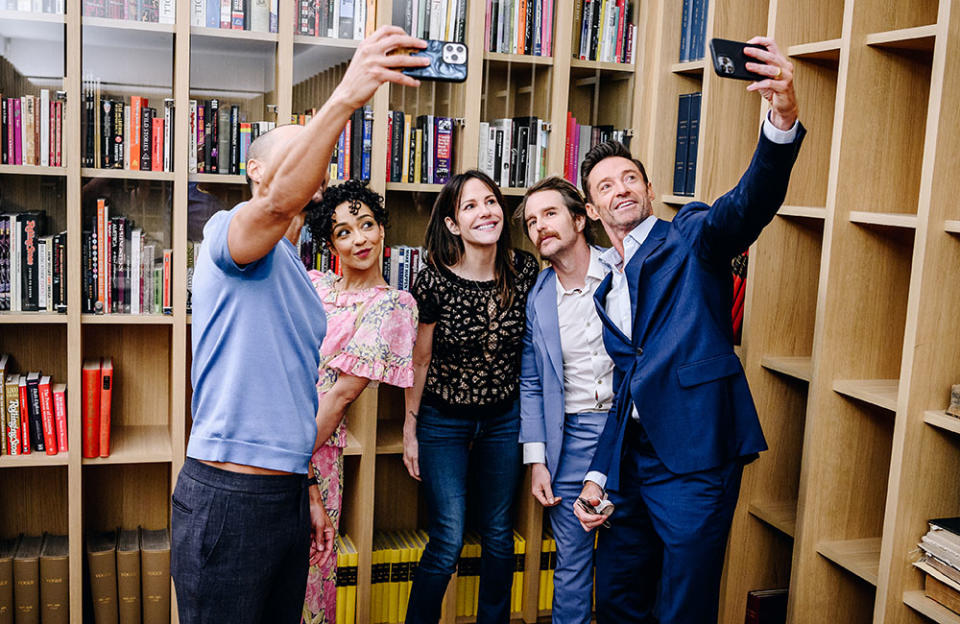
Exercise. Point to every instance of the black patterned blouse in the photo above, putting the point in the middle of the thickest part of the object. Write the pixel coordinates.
(475, 366)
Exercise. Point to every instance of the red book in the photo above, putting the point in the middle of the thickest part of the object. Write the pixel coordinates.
(102, 245)
(106, 392)
(621, 17)
(90, 408)
(167, 281)
(156, 144)
(46, 416)
(24, 416)
(60, 415)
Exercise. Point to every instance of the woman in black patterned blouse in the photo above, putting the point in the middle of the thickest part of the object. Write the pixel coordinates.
(462, 422)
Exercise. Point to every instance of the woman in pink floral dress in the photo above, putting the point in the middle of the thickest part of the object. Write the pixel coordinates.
(371, 329)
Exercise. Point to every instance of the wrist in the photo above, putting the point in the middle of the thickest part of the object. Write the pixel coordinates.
(783, 121)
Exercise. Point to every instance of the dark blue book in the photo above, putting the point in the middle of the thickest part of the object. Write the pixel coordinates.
(367, 146)
(693, 129)
(699, 28)
(685, 31)
(680, 162)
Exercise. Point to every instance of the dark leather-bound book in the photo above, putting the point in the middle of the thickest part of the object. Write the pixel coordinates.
(128, 576)
(26, 580)
(102, 563)
(155, 575)
(766, 606)
(55, 580)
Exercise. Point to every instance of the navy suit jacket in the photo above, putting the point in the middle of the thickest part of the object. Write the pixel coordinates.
(678, 368)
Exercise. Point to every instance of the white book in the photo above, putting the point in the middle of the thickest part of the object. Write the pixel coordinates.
(24, 5)
(611, 37)
(38, 6)
(48, 283)
(334, 30)
(126, 136)
(15, 303)
(507, 125)
(225, 13)
(414, 6)
(491, 151)
(438, 12)
(168, 11)
(515, 27)
(544, 146)
(135, 242)
(42, 273)
(482, 149)
(451, 27)
(585, 134)
(192, 139)
(359, 19)
(167, 134)
(260, 15)
(198, 15)
(44, 120)
(394, 266)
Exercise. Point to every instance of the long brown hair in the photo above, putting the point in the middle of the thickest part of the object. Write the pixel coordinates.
(445, 248)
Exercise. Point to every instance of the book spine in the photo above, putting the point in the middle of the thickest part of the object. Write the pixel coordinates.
(37, 440)
(106, 394)
(47, 417)
(234, 140)
(13, 425)
(693, 129)
(167, 281)
(683, 137)
(156, 145)
(168, 112)
(60, 417)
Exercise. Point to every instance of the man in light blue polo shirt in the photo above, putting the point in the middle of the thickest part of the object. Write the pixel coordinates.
(242, 506)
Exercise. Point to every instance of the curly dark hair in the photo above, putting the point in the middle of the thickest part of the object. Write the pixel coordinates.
(320, 215)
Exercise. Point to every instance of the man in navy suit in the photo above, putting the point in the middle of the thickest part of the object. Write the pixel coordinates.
(683, 421)
(566, 380)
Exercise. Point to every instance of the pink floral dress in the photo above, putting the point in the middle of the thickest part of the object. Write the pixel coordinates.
(370, 333)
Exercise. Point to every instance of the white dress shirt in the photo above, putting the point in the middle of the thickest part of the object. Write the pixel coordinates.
(587, 369)
(618, 298)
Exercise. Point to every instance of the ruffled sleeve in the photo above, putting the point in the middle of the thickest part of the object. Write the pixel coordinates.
(381, 348)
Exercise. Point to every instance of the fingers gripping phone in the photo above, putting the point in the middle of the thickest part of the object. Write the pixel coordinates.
(729, 61)
(605, 508)
(448, 61)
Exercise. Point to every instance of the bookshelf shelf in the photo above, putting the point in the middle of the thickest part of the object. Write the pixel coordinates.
(797, 367)
(884, 219)
(879, 392)
(828, 50)
(136, 444)
(235, 35)
(353, 446)
(625, 68)
(33, 459)
(513, 191)
(414, 188)
(29, 16)
(119, 24)
(517, 59)
(860, 556)
(126, 319)
(952, 227)
(389, 436)
(32, 318)
(803, 212)
(781, 516)
(216, 178)
(942, 420)
(677, 200)
(126, 174)
(920, 38)
(325, 42)
(689, 68)
(32, 170)
(932, 609)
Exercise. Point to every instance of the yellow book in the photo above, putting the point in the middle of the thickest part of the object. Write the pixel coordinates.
(519, 550)
(342, 557)
(544, 564)
(403, 586)
(393, 589)
(603, 24)
(416, 551)
(461, 582)
(551, 566)
(376, 581)
(405, 146)
(350, 581)
(418, 157)
(471, 551)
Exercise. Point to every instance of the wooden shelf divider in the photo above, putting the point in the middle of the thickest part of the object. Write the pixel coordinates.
(781, 516)
(879, 392)
(858, 556)
(796, 367)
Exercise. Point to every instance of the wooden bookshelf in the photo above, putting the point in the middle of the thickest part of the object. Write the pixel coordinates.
(803, 212)
(781, 516)
(918, 601)
(860, 557)
(943, 421)
(797, 367)
(819, 50)
(879, 392)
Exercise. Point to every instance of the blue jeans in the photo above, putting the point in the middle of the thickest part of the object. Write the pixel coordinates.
(240, 546)
(460, 456)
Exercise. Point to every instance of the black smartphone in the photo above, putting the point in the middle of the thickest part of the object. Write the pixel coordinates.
(729, 61)
(448, 61)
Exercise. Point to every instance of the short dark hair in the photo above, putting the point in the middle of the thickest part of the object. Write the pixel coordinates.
(601, 151)
(320, 215)
(572, 200)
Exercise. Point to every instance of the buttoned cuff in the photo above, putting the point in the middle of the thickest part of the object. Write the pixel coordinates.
(776, 135)
(534, 453)
(597, 477)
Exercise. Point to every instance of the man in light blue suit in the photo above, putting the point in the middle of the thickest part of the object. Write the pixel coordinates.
(566, 381)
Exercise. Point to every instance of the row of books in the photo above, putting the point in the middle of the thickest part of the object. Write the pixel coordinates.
(688, 139)
(95, 406)
(354, 150)
(34, 579)
(519, 27)
(514, 151)
(605, 31)
(130, 576)
(580, 138)
(220, 136)
(33, 6)
(125, 133)
(255, 15)
(32, 265)
(337, 19)
(32, 130)
(402, 264)
(940, 562)
(157, 11)
(122, 272)
(693, 30)
(33, 412)
(420, 149)
(436, 19)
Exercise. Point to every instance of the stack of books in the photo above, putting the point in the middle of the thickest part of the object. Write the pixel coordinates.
(122, 132)
(255, 15)
(130, 575)
(402, 264)
(220, 136)
(436, 19)
(32, 265)
(580, 138)
(34, 579)
(33, 413)
(354, 150)
(336, 19)
(156, 11)
(693, 30)
(688, 133)
(519, 27)
(514, 151)
(605, 31)
(941, 562)
(420, 149)
(32, 130)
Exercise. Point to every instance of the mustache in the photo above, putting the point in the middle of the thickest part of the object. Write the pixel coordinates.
(547, 233)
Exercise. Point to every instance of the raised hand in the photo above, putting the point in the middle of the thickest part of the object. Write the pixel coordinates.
(778, 88)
